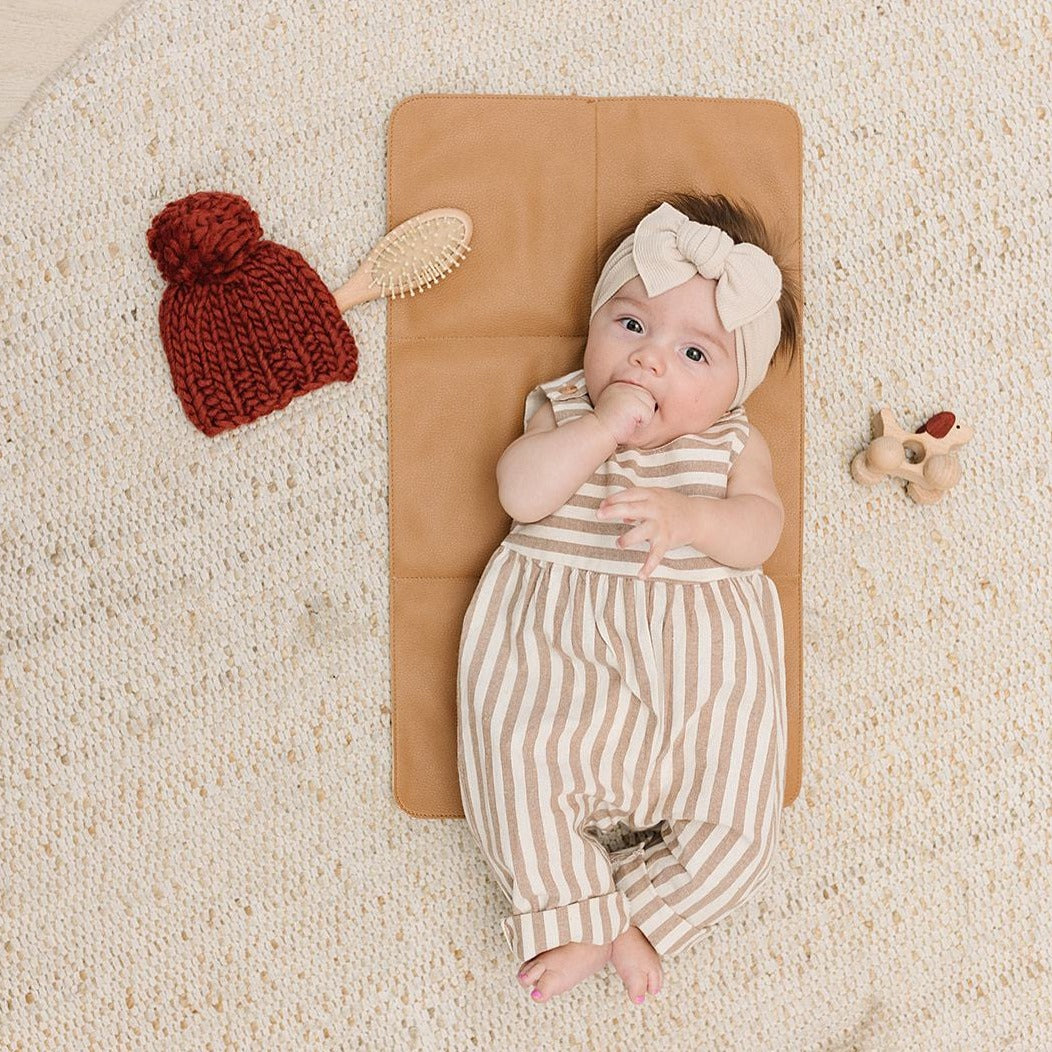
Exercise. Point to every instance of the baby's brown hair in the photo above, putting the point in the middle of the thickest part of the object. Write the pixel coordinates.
(743, 223)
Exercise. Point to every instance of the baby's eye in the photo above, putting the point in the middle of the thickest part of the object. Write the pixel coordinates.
(703, 356)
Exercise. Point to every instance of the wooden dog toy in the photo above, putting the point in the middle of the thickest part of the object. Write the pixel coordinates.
(924, 459)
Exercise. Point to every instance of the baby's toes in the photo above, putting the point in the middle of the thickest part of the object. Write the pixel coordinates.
(529, 973)
(550, 983)
(653, 982)
(636, 985)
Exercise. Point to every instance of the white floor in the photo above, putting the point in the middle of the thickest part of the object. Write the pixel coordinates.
(36, 37)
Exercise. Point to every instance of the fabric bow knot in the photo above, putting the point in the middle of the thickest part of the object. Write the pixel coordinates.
(669, 248)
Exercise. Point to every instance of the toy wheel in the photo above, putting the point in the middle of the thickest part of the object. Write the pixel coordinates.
(862, 472)
(942, 471)
(922, 495)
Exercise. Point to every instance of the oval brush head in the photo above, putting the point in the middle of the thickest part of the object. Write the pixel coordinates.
(413, 256)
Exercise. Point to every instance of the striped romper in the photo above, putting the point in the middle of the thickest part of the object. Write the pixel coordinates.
(588, 698)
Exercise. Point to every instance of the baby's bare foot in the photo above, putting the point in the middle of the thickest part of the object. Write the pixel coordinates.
(555, 971)
(637, 963)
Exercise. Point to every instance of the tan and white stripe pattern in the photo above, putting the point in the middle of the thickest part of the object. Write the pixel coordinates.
(696, 465)
(587, 698)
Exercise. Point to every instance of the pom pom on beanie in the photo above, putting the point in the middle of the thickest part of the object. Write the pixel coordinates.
(246, 323)
(204, 238)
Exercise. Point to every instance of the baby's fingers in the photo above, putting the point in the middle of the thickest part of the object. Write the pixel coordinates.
(633, 536)
(652, 561)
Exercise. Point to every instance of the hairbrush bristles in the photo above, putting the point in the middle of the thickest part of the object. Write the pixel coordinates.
(414, 256)
(418, 254)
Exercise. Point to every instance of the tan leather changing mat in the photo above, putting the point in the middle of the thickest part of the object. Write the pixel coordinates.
(545, 180)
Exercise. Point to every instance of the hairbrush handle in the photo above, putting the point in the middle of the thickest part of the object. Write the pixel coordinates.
(414, 255)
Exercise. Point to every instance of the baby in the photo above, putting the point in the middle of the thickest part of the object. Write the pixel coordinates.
(635, 677)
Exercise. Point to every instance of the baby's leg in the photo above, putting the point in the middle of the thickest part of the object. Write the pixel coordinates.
(695, 874)
(526, 711)
(717, 851)
(525, 811)
(567, 910)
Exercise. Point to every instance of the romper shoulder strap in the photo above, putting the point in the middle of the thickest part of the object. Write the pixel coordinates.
(733, 427)
(567, 394)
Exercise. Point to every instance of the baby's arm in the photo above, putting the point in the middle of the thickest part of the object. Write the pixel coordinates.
(743, 529)
(539, 472)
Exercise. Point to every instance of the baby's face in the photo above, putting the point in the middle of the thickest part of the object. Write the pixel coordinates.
(675, 346)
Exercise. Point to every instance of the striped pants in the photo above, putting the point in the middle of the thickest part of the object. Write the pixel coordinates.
(587, 700)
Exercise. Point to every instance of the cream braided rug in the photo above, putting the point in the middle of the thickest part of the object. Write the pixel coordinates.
(199, 844)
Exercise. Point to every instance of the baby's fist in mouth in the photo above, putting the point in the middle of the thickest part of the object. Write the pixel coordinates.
(624, 408)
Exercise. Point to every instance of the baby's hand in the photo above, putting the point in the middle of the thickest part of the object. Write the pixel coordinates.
(623, 409)
(665, 518)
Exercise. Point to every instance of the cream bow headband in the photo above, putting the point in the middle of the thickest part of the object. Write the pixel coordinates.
(667, 248)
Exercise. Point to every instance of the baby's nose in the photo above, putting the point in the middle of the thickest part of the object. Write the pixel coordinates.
(649, 356)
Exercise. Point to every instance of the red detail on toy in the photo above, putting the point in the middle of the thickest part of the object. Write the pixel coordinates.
(937, 426)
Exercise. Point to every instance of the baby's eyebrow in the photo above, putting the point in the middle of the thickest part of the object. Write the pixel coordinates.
(697, 332)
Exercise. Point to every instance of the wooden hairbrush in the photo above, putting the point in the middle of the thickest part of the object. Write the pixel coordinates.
(415, 255)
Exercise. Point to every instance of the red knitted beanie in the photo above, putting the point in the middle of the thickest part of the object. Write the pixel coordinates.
(246, 323)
